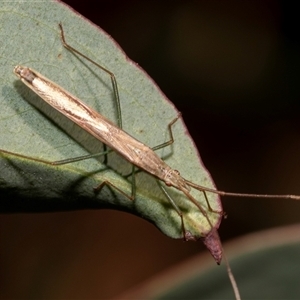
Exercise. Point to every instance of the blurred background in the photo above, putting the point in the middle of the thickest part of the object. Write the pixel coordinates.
(232, 69)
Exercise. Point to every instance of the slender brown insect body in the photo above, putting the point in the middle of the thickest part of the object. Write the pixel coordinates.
(100, 127)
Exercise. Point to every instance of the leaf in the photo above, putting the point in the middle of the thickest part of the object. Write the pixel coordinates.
(31, 128)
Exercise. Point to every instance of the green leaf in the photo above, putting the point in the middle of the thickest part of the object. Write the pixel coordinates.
(30, 36)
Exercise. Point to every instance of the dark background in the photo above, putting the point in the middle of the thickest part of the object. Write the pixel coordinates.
(232, 69)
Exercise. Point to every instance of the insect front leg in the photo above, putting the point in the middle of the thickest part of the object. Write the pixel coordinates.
(187, 236)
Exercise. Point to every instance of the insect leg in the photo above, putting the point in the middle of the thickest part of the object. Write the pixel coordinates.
(71, 160)
(112, 77)
(171, 140)
(187, 236)
(59, 162)
(109, 184)
(111, 74)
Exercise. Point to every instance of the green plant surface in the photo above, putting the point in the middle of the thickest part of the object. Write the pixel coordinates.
(30, 37)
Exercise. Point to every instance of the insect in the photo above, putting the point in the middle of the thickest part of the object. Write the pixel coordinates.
(134, 151)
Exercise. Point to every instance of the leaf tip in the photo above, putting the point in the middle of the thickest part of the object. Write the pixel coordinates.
(213, 243)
